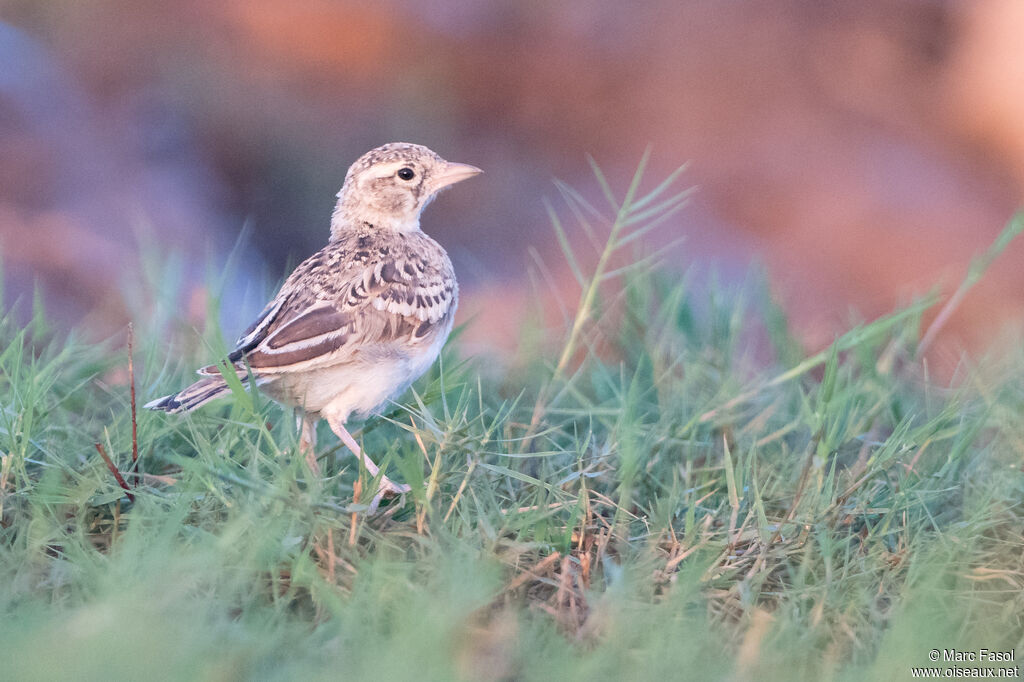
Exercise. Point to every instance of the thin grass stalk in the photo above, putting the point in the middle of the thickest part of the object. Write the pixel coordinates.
(586, 304)
(979, 264)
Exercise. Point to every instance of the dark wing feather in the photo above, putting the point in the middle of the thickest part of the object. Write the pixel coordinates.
(252, 336)
(316, 333)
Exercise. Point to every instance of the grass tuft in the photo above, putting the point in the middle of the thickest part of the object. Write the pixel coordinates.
(654, 496)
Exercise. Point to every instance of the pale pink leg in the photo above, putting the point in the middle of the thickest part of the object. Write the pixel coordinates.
(388, 488)
(307, 441)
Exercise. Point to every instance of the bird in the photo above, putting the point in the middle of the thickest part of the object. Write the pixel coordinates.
(358, 321)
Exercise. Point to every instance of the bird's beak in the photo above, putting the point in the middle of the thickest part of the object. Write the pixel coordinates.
(455, 172)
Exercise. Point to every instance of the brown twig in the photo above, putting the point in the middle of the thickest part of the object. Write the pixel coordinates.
(150, 478)
(353, 531)
(131, 382)
(5, 472)
(113, 469)
(331, 558)
(533, 573)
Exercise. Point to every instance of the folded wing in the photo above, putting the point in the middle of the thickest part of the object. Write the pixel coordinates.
(399, 303)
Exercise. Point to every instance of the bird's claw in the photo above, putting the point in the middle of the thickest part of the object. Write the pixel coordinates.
(388, 489)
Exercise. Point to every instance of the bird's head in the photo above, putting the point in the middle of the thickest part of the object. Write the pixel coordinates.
(388, 187)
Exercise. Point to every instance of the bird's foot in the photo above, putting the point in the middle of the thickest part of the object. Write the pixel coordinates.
(388, 489)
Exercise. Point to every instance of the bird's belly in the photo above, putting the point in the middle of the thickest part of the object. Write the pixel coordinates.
(355, 388)
(361, 387)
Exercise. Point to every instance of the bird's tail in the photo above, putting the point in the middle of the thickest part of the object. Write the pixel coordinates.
(210, 387)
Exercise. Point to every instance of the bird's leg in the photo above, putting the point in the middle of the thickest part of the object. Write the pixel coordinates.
(388, 488)
(307, 440)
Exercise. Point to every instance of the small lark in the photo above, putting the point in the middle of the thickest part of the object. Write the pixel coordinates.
(357, 322)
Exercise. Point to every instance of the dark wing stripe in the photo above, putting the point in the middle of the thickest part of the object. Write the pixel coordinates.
(309, 325)
(313, 334)
(265, 359)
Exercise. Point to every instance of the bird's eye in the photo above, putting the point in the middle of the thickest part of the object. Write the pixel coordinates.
(407, 173)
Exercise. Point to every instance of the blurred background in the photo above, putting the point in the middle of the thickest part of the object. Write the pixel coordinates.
(863, 152)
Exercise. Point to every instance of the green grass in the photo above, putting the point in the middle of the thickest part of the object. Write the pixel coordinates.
(668, 487)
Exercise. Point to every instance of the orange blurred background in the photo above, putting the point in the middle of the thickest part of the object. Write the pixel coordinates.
(862, 151)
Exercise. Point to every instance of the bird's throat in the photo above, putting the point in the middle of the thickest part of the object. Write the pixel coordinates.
(347, 218)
